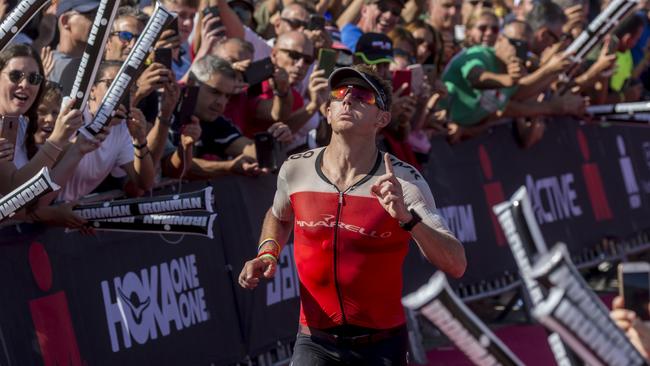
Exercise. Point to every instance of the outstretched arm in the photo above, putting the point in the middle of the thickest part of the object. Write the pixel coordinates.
(275, 233)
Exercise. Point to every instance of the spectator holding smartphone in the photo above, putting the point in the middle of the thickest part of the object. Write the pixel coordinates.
(222, 148)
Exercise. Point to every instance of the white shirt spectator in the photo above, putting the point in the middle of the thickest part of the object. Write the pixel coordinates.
(94, 167)
(262, 46)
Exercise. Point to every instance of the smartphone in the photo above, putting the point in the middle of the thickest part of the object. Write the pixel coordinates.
(186, 104)
(327, 60)
(399, 78)
(173, 25)
(9, 129)
(634, 287)
(316, 22)
(417, 78)
(259, 71)
(163, 56)
(268, 151)
(521, 48)
(431, 71)
(215, 13)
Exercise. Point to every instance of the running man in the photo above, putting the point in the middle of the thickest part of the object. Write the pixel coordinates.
(353, 210)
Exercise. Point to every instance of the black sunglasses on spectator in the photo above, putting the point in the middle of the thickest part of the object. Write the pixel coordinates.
(383, 7)
(125, 36)
(16, 76)
(295, 23)
(484, 27)
(296, 56)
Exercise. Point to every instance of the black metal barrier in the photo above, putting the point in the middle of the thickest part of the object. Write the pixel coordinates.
(135, 299)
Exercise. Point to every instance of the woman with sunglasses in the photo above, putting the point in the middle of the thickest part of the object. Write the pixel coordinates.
(21, 91)
(482, 29)
(21, 78)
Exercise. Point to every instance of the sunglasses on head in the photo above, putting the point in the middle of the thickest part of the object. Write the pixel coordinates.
(16, 76)
(297, 56)
(295, 23)
(363, 95)
(125, 36)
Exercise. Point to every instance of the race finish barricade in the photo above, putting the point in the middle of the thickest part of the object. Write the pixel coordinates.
(168, 299)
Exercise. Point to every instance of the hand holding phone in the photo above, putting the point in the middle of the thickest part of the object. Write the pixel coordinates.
(316, 22)
(634, 287)
(417, 78)
(268, 151)
(327, 61)
(259, 71)
(163, 56)
(401, 77)
(214, 11)
(9, 130)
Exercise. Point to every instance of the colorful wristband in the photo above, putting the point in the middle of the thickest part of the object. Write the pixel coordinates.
(268, 254)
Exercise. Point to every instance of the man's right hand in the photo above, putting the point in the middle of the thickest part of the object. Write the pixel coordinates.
(246, 165)
(515, 71)
(168, 39)
(255, 269)
(154, 77)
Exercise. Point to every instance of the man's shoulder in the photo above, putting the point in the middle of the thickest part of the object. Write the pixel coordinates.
(306, 155)
(405, 171)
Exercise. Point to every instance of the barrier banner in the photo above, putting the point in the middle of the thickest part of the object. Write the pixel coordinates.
(116, 299)
(18, 18)
(183, 202)
(94, 52)
(196, 224)
(438, 303)
(128, 73)
(555, 270)
(28, 192)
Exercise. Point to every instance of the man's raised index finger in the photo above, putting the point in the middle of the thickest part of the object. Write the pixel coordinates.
(388, 163)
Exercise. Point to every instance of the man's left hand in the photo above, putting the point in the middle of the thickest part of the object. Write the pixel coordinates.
(388, 191)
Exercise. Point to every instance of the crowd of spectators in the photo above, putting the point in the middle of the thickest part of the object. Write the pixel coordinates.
(472, 64)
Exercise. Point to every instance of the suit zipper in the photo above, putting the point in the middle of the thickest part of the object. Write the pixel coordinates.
(336, 232)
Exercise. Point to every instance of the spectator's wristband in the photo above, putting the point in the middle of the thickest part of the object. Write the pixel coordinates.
(142, 156)
(140, 147)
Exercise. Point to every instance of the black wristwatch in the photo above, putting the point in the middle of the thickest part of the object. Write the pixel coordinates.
(408, 226)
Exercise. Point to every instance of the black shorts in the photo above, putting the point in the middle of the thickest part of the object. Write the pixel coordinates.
(316, 351)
